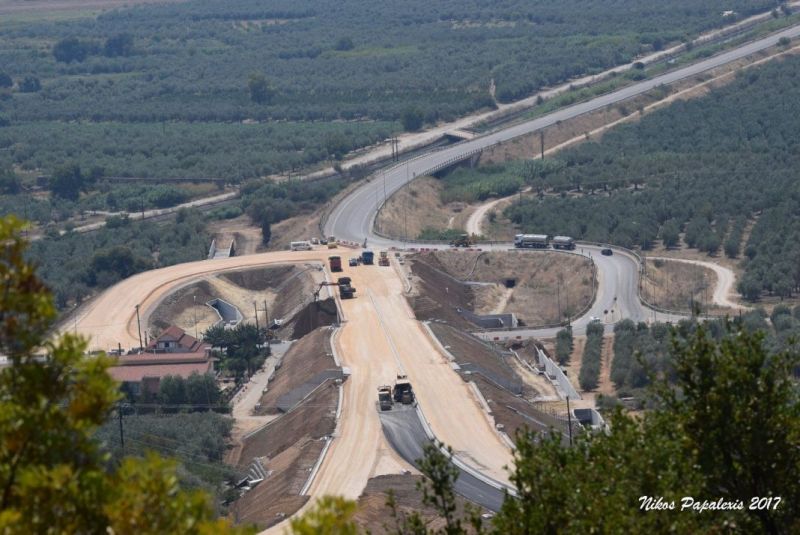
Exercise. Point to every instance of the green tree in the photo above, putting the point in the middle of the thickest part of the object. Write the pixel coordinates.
(261, 92)
(30, 84)
(412, 119)
(5, 80)
(172, 390)
(119, 45)
(72, 49)
(67, 182)
(344, 43)
(202, 389)
(53, 475)
(266, 231)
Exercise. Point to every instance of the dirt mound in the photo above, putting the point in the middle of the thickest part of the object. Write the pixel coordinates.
(181, 307)
(374, 517)
(479, 358)
(260, 279)
(311, 317)
(306, 360)
(278, 496)
(437, 295)
(311, 420)
(537, 286)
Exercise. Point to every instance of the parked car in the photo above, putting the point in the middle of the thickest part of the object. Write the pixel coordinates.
(353, 262)
(607, 252)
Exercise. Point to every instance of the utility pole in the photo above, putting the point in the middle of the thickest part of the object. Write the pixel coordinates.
(194, 309)
(569, 419)
(541, 141)
(255, 308)
(121, 433)
(139, 327)
(266, 319)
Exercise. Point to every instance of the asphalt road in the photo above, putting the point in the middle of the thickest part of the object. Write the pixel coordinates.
(405, 433)
(353, 218)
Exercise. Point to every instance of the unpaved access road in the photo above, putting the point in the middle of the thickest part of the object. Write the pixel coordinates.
(378, 339)
(726, 280)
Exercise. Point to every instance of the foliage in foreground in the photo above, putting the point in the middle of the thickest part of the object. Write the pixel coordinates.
(53, 474)
(727, 429)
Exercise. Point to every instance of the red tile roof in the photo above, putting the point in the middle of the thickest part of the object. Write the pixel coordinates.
(188, 344)
(135, 374)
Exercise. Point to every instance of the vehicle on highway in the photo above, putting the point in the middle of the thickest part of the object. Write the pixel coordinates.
(353, 262)
(462, 241)
(332, 244)
(563, 242)
(402, 392)
(367, 257)
(533, 241)
(385, 397)
(335, 263)
(300, 246)
(606, 252)
(384, 259)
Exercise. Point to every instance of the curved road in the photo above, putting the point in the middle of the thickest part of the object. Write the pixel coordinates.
(353, 218)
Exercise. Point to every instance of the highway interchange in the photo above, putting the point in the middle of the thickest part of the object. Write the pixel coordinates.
(380, 335)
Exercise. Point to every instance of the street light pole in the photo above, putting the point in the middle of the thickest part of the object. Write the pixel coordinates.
(139, 326)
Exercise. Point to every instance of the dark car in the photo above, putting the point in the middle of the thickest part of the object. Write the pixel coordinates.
(353, 262)
(607, 252)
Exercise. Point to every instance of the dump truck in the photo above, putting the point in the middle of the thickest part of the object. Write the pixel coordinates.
(367, 257)
(563, 242)
(335, 263)
(402, 391)
(462, 241)
(384, 260)
(346, 291)
(535, 241)
(385, 397)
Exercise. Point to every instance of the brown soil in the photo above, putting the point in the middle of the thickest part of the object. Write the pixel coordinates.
(312, 316)
(675, 285)
(311, 420)
(417, 207)
(286, 290)
(479, 358)
(278, 496)
(373, 516)
(544, 283)
(241, 230)
(437, 296)
(182, 307)
(305, 359)
(515, 414)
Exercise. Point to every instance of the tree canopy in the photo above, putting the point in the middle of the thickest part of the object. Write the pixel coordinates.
(53, 475)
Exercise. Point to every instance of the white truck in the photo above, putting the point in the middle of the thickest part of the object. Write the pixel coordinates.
(300, 246)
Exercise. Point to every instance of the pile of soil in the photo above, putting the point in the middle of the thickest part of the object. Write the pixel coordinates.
(312, 316)
(260, 279)
(306, 360)
(170, 310)
(437, 295)
(373, 516)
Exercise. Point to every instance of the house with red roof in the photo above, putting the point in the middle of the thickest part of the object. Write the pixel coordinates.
(172, 353)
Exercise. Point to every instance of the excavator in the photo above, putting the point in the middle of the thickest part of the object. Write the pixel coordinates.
(346, 290)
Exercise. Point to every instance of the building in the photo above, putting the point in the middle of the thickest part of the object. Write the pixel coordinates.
(173, 353)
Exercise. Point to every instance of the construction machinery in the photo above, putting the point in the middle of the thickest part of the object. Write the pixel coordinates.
(367, 257)
(346, 291)
(462, 241)
(332, 242)
(384, 259)
(385, 397)
(401, 392)
(335, 263)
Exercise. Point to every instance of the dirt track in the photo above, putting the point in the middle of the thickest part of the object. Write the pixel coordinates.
(379, 338)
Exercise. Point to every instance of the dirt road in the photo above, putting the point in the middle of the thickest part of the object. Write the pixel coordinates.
(726, 280)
